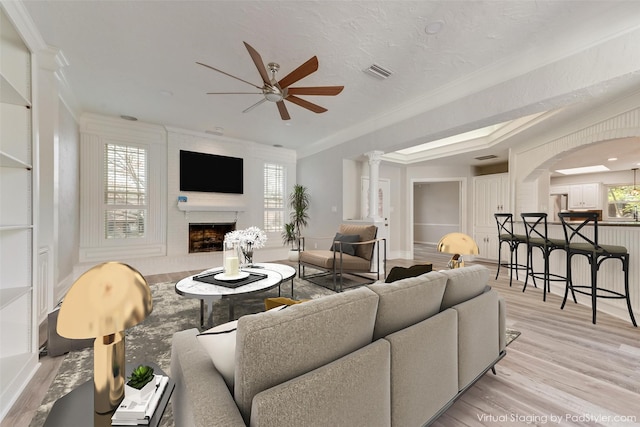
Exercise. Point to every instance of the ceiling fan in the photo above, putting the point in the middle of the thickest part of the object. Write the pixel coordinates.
(278, 91)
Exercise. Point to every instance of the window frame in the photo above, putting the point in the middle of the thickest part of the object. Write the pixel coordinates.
(112, 207)
(282, 207)
(634, 200)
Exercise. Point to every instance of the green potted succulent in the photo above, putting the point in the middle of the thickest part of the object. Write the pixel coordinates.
(141, 383)
(299, 204)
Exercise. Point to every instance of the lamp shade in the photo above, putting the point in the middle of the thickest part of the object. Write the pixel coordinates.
(107, 299)
(457, 243)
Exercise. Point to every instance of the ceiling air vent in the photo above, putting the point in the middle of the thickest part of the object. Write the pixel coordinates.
(379, 72)
(487, 157)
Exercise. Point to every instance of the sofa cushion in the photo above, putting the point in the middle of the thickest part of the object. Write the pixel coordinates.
(279, 346)
(478, 336)
(424, 369)
(408, 301)
(220, 344)
(351, 391)
(344, 245)
(463, 284)
(399, 273)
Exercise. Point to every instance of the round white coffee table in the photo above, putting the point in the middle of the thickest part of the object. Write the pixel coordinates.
(207, 293)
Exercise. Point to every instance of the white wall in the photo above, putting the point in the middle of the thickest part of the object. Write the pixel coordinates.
(68, 230)
(436, 210)
(249, 206)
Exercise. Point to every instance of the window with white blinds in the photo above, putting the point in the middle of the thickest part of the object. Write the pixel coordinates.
(274, 197)
(125, 191)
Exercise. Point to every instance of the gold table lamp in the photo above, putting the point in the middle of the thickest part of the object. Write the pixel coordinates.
(104, 302)
(457, 244)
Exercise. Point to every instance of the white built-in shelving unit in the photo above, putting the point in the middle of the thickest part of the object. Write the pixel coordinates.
(18, 340)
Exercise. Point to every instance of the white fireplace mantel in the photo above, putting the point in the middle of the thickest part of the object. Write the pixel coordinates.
(187, 207)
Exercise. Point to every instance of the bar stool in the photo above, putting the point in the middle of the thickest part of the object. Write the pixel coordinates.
(506, 235)
(577, 243)
(535, 227)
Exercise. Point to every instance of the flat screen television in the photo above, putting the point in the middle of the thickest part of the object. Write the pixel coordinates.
(210, 173)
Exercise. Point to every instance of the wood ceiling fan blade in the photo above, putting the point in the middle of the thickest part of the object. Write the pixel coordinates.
(255, 105)
(299, 73)
(284, 114)
(257, 60)
(317, 90)
(306, 104)
(234, 93)
(227, 74)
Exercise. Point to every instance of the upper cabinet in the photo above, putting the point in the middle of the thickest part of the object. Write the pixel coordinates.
(584, 196)
(490, 195)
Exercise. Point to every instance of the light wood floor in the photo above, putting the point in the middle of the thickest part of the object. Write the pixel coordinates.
(562, 370)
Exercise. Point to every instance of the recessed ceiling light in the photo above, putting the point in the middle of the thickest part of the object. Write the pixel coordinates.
(130, 118)
(277, 145)
(612, 159)
(585, 169)
(434, 27)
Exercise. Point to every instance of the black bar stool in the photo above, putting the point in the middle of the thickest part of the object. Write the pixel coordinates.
(535, 227)
(577, 243)
(506, 235)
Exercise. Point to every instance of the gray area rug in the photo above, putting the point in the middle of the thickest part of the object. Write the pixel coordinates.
(151, 340)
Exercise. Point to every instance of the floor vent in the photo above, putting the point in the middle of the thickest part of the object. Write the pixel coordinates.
(377, 71)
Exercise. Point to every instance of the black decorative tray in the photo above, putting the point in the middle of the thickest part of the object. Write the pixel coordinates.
(210, 278)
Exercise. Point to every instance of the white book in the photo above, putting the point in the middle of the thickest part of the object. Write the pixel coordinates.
(133, 413)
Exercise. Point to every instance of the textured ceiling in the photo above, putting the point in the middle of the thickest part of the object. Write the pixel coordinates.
(139, 58)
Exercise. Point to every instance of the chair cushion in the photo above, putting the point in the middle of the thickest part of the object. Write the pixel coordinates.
(398, 273)
(587, 247)
(344, 246)
(324, 259)
(366, 232)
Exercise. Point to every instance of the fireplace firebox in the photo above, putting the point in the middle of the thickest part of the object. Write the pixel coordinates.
(208, 237)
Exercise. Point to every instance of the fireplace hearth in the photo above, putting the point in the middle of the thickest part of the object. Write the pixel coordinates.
(208, 237)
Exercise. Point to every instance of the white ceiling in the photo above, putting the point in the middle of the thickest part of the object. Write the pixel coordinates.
(138, 58)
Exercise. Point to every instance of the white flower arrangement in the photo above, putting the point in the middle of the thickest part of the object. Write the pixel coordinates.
(252, 236)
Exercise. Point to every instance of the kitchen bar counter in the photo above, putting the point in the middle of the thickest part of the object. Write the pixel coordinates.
(610, 276)
(606, 223)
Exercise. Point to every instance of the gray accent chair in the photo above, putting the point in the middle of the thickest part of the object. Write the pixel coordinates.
(342, 257)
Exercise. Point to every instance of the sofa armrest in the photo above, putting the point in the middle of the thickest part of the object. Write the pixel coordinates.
(502, 323)
(201, 397)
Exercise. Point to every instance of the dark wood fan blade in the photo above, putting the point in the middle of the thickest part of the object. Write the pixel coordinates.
(299, 73)
(259, 63)
(284, 114)
(306, 104)
(234, 93)
(318, 90)
(227, 74)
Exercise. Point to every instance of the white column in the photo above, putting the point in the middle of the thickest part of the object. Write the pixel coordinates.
(374, 174)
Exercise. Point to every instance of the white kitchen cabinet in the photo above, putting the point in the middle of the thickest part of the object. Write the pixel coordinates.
(18, 329)
(490, 196)
(584, 196)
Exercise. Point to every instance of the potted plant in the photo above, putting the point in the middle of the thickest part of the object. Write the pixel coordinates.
(141, 383)
(299, 204)
(289, 238)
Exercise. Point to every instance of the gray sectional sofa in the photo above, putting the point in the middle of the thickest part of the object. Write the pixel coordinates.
(389, 354)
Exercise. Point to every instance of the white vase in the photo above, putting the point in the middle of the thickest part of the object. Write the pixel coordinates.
(294, 255)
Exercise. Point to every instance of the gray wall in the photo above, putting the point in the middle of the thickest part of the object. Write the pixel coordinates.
(436, 210)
